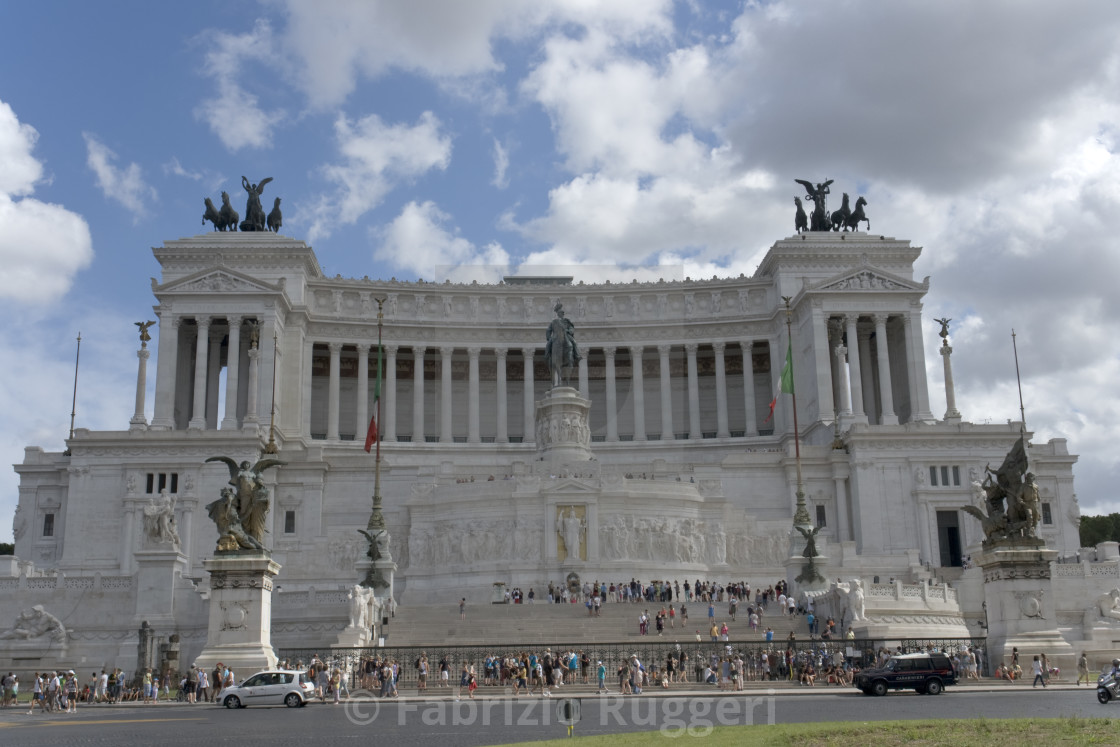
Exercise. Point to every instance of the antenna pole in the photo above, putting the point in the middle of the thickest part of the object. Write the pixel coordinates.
(74, 403)
(1019, 382)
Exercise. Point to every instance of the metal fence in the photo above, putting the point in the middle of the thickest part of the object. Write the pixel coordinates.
(786, 657)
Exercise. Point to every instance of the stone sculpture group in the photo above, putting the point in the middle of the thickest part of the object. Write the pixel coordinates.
(36, 623)
(241, 511)
(844, 219)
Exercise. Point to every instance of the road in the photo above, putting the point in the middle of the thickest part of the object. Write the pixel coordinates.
(500, 720)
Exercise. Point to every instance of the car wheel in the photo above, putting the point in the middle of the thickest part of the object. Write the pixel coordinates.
(293, 701)
(933, 687)
(231, 701)
(920, 689)
(879, 688)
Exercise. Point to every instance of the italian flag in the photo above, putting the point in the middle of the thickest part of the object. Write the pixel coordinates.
(371, 434)
(785, 384)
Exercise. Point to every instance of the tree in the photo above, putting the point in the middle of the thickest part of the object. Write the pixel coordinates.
(7, 548)
(1097, 529)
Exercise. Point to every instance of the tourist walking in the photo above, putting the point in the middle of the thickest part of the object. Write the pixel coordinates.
(1036, 668)
(1083, 669)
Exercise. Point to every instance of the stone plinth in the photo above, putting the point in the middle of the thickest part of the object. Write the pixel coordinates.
(157, 573)
(563, 433)
(239, 633)
(797, 565)
(1020, 602)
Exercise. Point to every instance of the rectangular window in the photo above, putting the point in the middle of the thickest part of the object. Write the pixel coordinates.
(820, 516)
(933, 476)
(289, 522)
(162, 481)
(48, 525)
(149, 485)
(1047, 515)
(956, 475)
(945, 476)
(174, 482)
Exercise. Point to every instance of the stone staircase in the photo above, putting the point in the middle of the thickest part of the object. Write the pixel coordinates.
(430, 625)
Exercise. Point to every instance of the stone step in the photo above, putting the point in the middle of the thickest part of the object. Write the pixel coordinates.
(528, 623)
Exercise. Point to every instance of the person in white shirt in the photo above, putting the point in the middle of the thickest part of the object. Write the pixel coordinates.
(102, 686)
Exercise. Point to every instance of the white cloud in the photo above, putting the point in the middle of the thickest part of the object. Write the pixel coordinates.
(126, 185)
(377, 157)
(20, 169)
(336, 43)
(417, 240)
(42, 246)
(501, 165)
(233, 113)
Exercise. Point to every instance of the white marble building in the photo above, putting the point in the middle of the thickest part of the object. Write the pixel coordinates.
(686, 477)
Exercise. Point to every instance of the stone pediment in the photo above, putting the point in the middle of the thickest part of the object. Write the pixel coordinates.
(568, 485)
(219, 280)
(869, 279)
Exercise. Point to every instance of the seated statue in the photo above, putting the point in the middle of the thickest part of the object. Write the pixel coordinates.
(34, 623)
(1109, 605)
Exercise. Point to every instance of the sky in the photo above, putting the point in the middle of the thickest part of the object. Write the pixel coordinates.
(620, 139)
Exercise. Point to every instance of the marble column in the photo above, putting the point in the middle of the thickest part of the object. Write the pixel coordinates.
(445, 434)
(307, 384)
(886, 394)
(612, 395)
(822, 362)
(361, 406)
(951, 411)
(124, 555)
(856, 379)
(201, 348)
(388, 427)
(583, 387)
(233, 364)
(841, 490)
(750, 416)
(186, 527)
(911, 370)
(472, 396)
(139, 422)
(694, 432)
(666, 394)
(845, 389)
(502, 436)
(867, 381)
(638, 393)
(529, 396)
(252, 419)
(920, 409)
(722, 430)
(163, 419)
(417, 394)
(332, 389)
(213, 374)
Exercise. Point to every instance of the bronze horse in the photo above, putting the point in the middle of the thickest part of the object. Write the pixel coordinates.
(857, 216)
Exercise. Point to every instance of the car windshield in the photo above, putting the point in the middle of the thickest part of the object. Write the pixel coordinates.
(893, 665)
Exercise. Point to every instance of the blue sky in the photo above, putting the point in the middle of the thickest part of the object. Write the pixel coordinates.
(424, 138)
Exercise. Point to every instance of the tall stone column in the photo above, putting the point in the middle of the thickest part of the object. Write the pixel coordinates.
(233, 365)
(361, 405)
(472, 396)
(855, 376)
(694, 432)
(139, 422)
(418, 435)
(845, 389)
(445, 434)
(332, 390)
(920, 409)
(163, 419)
(822, 362)
(213, 374)
(388, 430)
(201, 348)
(911, 370)
(841, 490)
(309, 368)
(886, 394)
(252, 419)
(751, 417)
(612, 395)
(583, 388)
(124, 555)
(951, 411)
(722, 430)
(638, 393)
(666, 393)
(529, 396)
(502, 435)
(867, 382)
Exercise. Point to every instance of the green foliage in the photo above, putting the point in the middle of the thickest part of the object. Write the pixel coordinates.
(7, 548)
(1097, 529)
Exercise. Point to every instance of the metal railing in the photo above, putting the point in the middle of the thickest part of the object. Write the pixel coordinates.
(786, 658)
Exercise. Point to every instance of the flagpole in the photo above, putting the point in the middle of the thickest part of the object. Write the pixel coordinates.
(74, 403)
(376, 518)
(801, 514)
(1019, 381)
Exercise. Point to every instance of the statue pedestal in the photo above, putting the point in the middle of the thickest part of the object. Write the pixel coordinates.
(563, 434)
(239, 633)
(796, 567)
(377, 575)
(157, 574)
(1020, 602)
